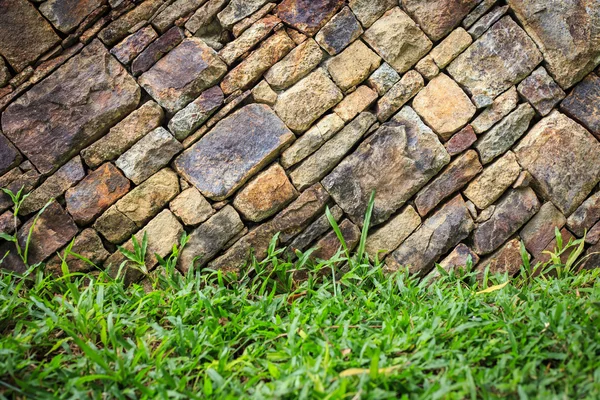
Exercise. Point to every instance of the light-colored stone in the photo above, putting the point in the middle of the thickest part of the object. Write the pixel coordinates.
(449, 48)
(247, 40)
(237, 10)
(191, 207)
(355, 103)
(438, 17)
(388, 237)
(383, 78)
(427, 67)
(262, 93)
(399, 94)
(295, 66)
(353, 65)
(369, 11)
(499, 109)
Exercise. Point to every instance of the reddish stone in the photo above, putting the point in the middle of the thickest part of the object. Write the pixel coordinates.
(308, 16)
(88, 245)
(507, 259)
(134, 44)
(329, 245)
(582, 104)
(543, 256)
(461, 141)
(156, 50)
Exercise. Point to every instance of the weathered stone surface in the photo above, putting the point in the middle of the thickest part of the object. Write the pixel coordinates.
(55, 186)
(308, 16)
(524, 180)
(88, 245)
(456, 175)
(237, 10)
(124, 135)
(247, 22)
(9, 155)
(315, 230)
(209, 238)
(503, 135)
(179, 77)
(20, 20)
(148, 155)
(454, 44)
(438, 17)
(539, 231)
(16, 180)
(369, 11)
(544, 257)
(119, 28)
(399, 94)
(388, 237)
(427, 68)
(191, 207)
(192, 116)
(436, 236)
(310, 141)
(487, 21)
(458, 258)
(398, 40)
(500, 108)
(234, 150)
(355, 103)
(329, 155)
(71, 108)
(591, 257)
(205, 15)
(339, 32)
(484, 190)
(262, 93)
(247, 40)
(307, 100)
(563, 158)
(593, 235)
(511, 213)
(294, 66)
(477, 13)
(4, 73)
(353, 65)
(8, 221)
(267, 193)
(383, 78)
(328, 246)
(138, 206)
(396, 161)
(66, 15)
(156, 50)
(460, 141)
(540, 90)
(506, 260)
(178, 9)
(586, 215)
(94, 194)
(582, 104)
(126, 50)
(574, 52)
(444, 106)
(509, 55)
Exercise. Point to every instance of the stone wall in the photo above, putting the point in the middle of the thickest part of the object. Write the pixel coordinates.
(475, 121)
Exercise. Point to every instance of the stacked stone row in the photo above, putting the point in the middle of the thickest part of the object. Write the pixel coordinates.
(474, 121)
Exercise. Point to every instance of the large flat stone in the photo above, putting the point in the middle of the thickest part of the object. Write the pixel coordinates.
(308, 16)
(9, 155)
(65, 15)
(180, 76)
(71, 108)
(438, 17)
(564, 159)
(583, 104)
(353, 65)
(396, 161)
(234, 150)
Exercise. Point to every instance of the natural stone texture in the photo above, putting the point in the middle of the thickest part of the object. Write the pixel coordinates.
(329, 155)
(399, 94)
(484, 190)
(460, 141)
(593, 235)
(8, 221)
(539, 231)
(436, 236)
(205, 15)
(4, 73)
(396, 161)
(237, 10)
(398, 40)
(94, 194)
(310, 141)
(247, 40)
(191, 207)
(500, 108)
(24, 34)
(314, 231)
(563, 158)
(156, 50)
(16, 180)
(138, 206)
(591, 257)
(180, 76)
(267, 193)
(438, 17)
(307, 100)
(66, 15)
(209, 238)
(509, 55)
(294, 66)
(120, 28)
(524, 180)
(124, 135)
(355, 103)
(503, 135)
(150, 154)
(444, 106)
(567, 32)
(506, 260)
(456, 175)
(9, 155)
(383, 78)
(55, 186)
(388, 237)
(353, 65)
(178, 9)
(88, 245)
(427, 68)
(234, 150)
(510, 214)
(478, 12)
(458, 258)
(567, 236)
(586, 215)
(582, 104)
(454, 44)
(369, 11)
(540, 90)
(247, 22)
(71, 108)
(339, 32)
(308, 16)
(487, 21)
(192, 116)
(328, 246)
(262, 93)
(134, 44)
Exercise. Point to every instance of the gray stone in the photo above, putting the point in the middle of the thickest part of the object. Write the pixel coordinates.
(9, 155)
(121, 27)
(237, 10)
(540, 90)
(178, 9)
(369, 11)
(247, 40)
(5, 75)
(383, 78)
(296, 65)
(205, 15)
(399, 94)
(582, 104)
(192, 116)
(477, 13)
(339, 32)
(389, 236)
(191, 207)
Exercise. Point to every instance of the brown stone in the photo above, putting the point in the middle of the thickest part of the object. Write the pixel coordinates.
(328, 246)
(134, 44)
(308, 16)
(460, 257)
(9, 155)
(539, 231)
(506, 260)
(369, 11)
(66, 15)
(16, 180)
(296, 65)
(247, 40)
(8, 223)
(191, 207)
(390, 235)
(582, 104)
(540, 90)
(460, 141)
(355, 103)
(438, 17)
(544, 256)
(499, 109)
(314, 231)
(585, 216)
(427, 68)
(192, 116)
(120, 28)
(87, 245)
(156, 50)
(339, 32)
(353, 65)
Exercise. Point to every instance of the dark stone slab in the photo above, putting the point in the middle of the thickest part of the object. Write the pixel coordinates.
(156, 50)
(308, 16)
(87, 244)
(338, 33)
(9, 155)
(583, 104)
(66, 15)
